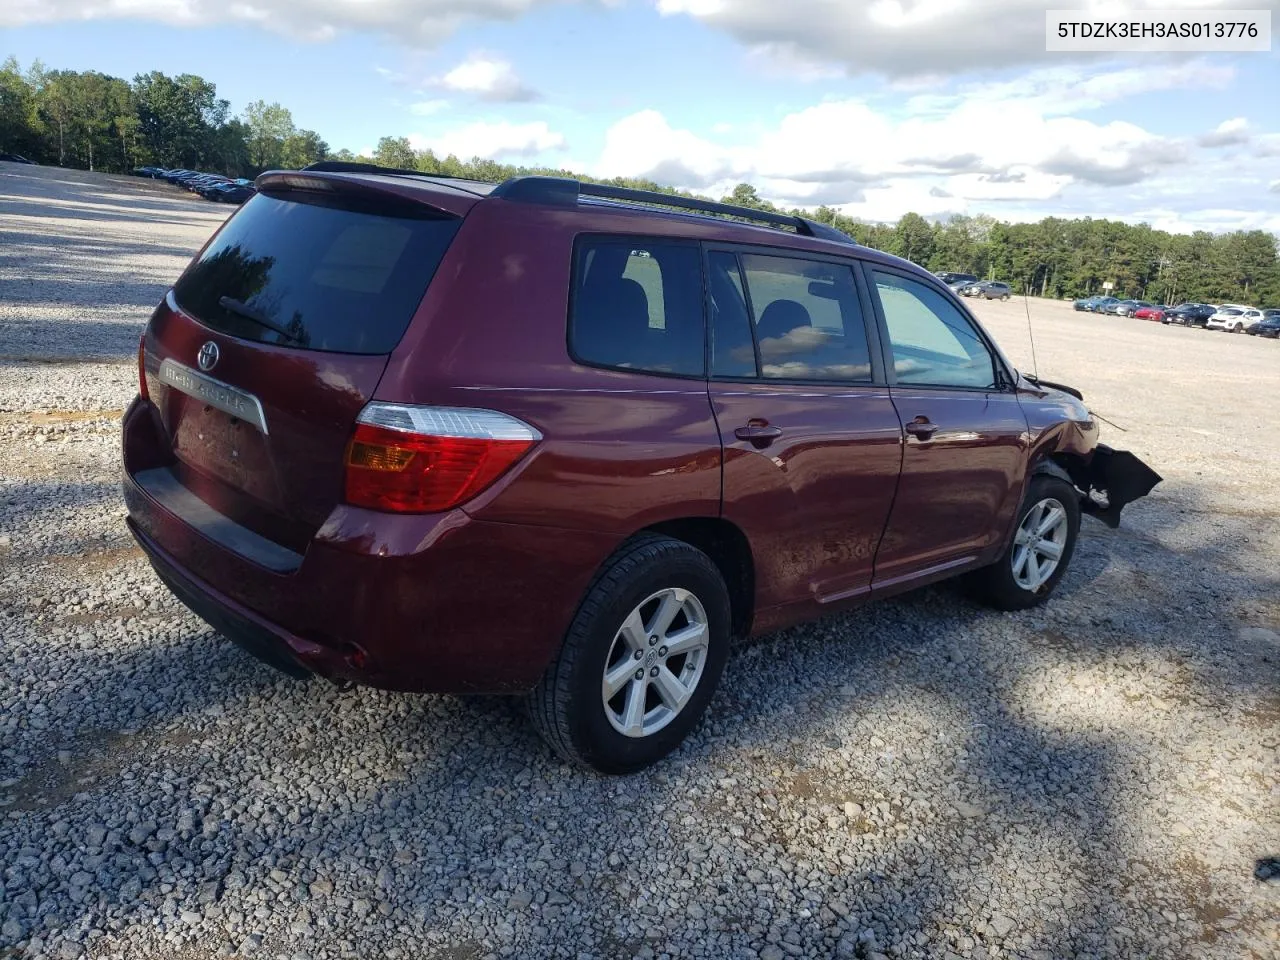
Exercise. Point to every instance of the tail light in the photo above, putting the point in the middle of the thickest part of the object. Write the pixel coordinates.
(142, 367)
(412, 459)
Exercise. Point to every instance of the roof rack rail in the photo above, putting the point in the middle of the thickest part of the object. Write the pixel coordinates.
(562, 191)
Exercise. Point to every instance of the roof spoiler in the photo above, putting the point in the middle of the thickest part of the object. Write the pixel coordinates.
(563, 191)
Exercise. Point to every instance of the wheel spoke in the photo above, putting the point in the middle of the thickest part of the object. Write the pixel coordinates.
(1033, 571)
(690, 638)
(667, 611)
(633, 712)
(1051, 519)
(1020, 557)
(1050, 550)
(633, 632)
(674, 693)
(618, 677)
(1032, 522)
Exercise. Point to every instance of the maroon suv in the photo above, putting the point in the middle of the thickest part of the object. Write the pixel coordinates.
(568, 441)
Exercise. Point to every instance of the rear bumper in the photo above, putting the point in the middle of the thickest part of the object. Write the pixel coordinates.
(441, 603)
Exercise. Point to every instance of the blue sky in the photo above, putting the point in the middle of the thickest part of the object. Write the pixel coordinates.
(815, 101)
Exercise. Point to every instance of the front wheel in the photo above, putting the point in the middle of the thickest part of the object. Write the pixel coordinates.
(641, 659)
(1237, 328)
(1038, 556)
(1005, 297)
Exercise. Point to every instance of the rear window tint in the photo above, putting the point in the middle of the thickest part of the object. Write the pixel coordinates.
(329, 278)
(637, 305)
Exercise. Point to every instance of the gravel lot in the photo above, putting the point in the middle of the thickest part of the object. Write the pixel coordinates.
(921, 778)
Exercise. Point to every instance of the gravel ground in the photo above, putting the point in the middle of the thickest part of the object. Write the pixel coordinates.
(920, 778)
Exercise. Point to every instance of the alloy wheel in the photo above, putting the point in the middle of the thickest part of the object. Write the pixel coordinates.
(655, 662)
(1039, 543)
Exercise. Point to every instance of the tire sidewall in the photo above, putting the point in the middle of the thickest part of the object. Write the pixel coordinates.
(1013, 595)
(593, 735)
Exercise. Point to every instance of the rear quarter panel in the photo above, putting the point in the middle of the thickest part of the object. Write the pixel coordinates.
(621, 450)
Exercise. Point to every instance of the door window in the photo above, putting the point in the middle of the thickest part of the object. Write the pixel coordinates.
(933, 342)
(807, 319)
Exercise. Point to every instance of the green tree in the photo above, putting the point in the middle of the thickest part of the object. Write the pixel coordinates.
(270, 125)
(396, 152)
(913, 239)
(301, 148)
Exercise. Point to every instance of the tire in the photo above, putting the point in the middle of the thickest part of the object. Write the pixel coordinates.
(568, 706)
(1005, 297)
(997, 585)
(1237, 328)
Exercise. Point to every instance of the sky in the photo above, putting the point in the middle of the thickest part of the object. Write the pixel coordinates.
(877, 108)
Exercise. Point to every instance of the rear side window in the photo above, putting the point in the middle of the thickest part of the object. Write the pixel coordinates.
(316, 277)
(637, 305)
(808, 319)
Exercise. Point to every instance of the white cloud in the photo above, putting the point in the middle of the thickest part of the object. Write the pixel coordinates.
(900, 38)
(835, 151)
(426, 108)
(492, 140)
(417, 22)
(487, 77)
(1227, 133)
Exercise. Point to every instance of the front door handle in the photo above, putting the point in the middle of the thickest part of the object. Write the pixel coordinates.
(921, 428)
(758, 432)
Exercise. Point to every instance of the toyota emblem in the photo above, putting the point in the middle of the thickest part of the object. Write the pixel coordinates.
(208, 355)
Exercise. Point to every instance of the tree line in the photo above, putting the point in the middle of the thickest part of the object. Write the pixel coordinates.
(97, 122)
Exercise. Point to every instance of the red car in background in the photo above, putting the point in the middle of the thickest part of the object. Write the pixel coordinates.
(1151, 313)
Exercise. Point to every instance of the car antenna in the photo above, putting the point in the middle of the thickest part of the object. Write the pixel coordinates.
(1035, 368)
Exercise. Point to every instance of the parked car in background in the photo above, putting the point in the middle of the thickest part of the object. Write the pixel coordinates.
(987, 290)
(1127, 308)
(151, 172)
(231, 193)
(1233, 319)
(1152, 312)
(364, 447)
(1085, 303)
(1101, 304)
(1268, 326)
(1251, 327)
(1190, 314)
(957, 280)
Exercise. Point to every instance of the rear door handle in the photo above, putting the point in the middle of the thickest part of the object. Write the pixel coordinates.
(921, 428)
(758, 432)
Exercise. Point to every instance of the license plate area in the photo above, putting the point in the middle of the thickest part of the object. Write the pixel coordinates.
(240, 404)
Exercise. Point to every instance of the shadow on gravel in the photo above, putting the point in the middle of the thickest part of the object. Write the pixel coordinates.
(122, 210)
(468, 819)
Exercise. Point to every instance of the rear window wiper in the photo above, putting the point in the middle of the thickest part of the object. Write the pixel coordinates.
(242, 309)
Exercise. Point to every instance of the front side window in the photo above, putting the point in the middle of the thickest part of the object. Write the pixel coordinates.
(808, 319)
(933, 342)
(637, 305)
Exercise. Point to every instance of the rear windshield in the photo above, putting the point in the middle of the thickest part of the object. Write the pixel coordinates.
(316, 277)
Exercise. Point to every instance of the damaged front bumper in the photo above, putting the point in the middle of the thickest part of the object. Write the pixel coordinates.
(1114, 478)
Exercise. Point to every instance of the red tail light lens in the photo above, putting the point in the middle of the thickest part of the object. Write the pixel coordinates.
(142, 367)
(411, 459)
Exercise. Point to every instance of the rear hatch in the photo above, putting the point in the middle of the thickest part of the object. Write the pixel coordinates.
(275, 337)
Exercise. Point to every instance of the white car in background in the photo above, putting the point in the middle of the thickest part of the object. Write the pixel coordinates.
(1233, 318)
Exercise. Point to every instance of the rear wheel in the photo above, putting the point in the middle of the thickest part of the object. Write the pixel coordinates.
(1005, 297)
(1040, 552)
(641, 659)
